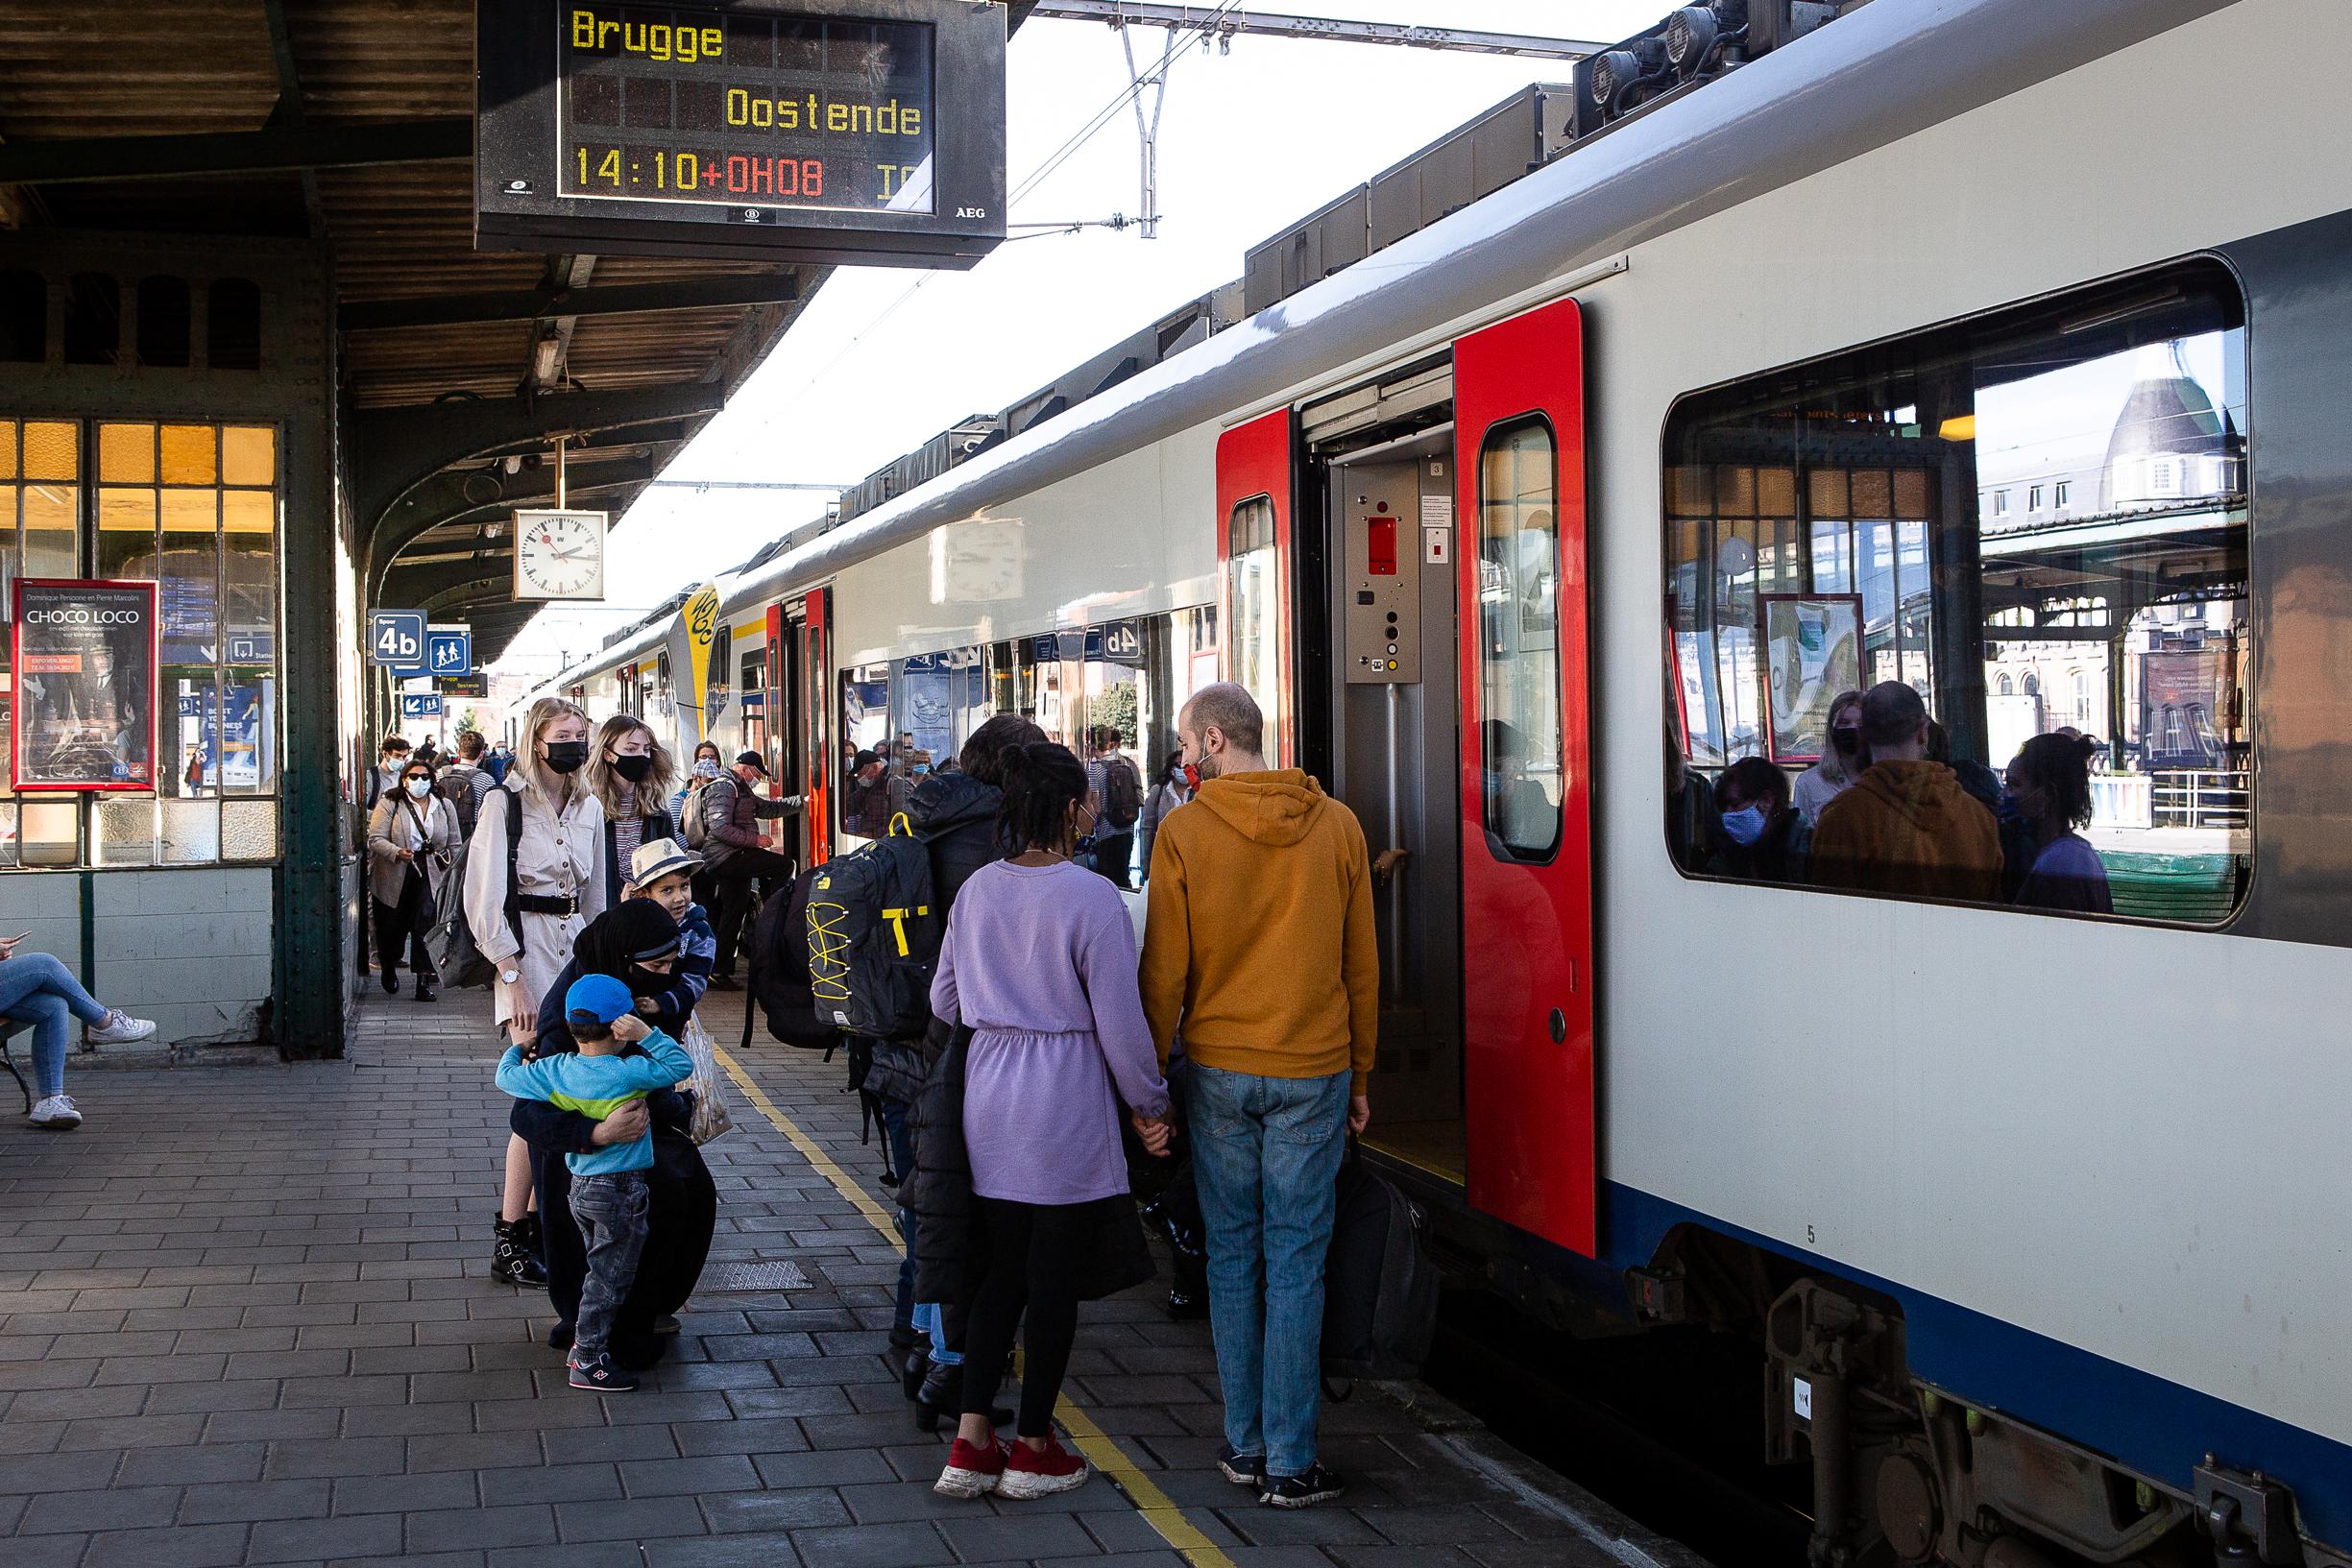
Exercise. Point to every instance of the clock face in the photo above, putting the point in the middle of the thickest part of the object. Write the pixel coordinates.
(559, 555)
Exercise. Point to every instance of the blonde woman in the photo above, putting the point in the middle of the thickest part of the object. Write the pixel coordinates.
(1845, 760)
(527, 930)
(630, 772)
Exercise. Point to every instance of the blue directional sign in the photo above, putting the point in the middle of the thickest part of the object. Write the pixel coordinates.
(448, 652)
(396, 638)
(420, 704)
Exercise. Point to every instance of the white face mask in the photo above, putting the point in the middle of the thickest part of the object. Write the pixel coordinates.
(419, 788)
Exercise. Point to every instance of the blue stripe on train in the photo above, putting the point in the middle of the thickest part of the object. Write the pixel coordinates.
(2155, 1426)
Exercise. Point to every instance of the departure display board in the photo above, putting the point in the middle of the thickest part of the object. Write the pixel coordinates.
(671, 104)
(810, 130)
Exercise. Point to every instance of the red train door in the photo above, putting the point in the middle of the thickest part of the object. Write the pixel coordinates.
(1526, 775)
(816, 677)
(1255, 486)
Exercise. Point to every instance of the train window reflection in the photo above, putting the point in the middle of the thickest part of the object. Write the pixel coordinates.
(2077, 673)
(1518, 644)
(1257, 616)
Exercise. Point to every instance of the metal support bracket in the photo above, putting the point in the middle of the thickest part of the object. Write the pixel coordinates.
(2249, 1516)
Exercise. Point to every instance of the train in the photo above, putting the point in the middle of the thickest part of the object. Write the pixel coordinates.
(1993, 346)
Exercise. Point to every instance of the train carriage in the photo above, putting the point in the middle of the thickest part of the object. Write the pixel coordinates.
(1991, 346)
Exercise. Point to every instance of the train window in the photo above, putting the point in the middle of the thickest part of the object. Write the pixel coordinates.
(1257, 615)
(866, 728)
(2077, 674)
(1518, 644)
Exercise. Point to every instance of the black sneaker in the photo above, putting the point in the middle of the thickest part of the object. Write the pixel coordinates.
(1242, 1469)
(725, 982)
(1314, 1485)
(599, 1373)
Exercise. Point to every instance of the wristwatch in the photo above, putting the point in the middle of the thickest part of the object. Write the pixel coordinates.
(509, 976)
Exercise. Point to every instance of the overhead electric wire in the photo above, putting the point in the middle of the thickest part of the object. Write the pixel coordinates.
(1054, 160)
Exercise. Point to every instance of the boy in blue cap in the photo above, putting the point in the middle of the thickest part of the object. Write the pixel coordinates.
(607, 1184)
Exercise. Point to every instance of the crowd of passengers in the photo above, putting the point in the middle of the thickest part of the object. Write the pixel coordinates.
(1059, 1053)
(1889, 809)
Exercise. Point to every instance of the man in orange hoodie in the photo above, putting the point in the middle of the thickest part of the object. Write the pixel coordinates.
(1259, 947)
(1907, 827)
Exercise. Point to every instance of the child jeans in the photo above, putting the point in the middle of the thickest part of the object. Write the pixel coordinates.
(610, 1211)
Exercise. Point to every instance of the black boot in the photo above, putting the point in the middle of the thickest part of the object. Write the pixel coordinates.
(913, 1369)
(515, 1259)
(942, 1394)
(424, 990)
(392, 982)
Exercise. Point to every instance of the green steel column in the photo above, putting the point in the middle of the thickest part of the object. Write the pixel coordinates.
(312, 978)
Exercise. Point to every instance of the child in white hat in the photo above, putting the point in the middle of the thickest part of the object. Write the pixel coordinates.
(663, 870)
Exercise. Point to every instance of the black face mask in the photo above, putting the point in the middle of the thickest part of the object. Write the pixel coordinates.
(633, 768)
(566, 756)
(1847, 741)
(648, 982)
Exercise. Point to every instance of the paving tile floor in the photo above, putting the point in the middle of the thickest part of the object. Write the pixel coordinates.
(246, 1317)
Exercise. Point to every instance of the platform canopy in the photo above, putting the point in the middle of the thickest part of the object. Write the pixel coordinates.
(349, 123)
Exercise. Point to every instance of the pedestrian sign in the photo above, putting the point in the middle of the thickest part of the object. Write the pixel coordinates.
(420, 704)
(448, 651)
(396, 638)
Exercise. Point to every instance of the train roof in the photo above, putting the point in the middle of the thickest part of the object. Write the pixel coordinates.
(1882, 72)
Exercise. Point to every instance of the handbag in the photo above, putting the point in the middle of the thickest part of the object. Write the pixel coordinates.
(711, 1118)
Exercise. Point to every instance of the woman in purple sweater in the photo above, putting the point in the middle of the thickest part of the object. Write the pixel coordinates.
(1039, 962)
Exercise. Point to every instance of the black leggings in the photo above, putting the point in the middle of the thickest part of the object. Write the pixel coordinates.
(1034, 1251)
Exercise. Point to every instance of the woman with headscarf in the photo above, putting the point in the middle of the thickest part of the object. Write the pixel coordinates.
(635, 943)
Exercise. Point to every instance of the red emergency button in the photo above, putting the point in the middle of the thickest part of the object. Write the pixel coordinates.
(1380, 552)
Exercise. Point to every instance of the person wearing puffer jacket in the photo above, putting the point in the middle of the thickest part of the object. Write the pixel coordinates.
(954, 813)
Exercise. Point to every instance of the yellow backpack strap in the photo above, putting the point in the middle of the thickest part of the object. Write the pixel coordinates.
(900, 827)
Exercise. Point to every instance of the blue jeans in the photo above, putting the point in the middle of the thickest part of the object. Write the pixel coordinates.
(37, 989)
(902, 1155)
(611, 1213)
(1266, 1159)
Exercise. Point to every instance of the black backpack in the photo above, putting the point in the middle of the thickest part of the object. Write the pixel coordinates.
(779, 959)
(1122, 794)
(873, 937)
(464, 789)
(1380, 1287)
(455, 953)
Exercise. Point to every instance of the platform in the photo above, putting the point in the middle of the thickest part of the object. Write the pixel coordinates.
(248, 1319)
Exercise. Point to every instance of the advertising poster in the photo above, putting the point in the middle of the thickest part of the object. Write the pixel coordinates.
(1814, 651)
(85, 656)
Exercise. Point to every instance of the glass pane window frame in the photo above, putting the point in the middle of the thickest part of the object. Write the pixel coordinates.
(180, 501)
(1524, 787)
(2122, 605)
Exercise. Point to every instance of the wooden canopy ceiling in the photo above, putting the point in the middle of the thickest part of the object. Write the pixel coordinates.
(350, 121)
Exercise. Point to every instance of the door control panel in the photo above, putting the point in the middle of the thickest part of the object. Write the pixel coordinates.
(1383, 592)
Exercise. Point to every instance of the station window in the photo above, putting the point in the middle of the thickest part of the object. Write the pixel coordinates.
(1818, 542)
(193, 509)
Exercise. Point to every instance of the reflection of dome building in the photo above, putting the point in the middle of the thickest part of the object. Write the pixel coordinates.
(2169, 443)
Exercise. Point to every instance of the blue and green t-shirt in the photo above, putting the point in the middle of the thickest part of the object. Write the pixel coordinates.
(595, 1087)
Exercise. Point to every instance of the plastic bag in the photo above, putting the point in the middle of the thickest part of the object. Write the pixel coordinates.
(711, 1118)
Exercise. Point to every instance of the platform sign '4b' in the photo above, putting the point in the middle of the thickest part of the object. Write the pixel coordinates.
(396, 638)
(448, 651)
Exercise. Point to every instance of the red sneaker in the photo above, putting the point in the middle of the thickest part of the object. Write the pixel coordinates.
(1041, 1472)
(971, 1472)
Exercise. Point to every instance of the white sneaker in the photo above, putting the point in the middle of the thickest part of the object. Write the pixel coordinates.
(57, 1113)
(120, 1029)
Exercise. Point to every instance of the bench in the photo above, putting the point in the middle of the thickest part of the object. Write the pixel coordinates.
(10, 1030)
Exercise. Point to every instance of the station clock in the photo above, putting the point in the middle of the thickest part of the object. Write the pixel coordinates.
(559, 555)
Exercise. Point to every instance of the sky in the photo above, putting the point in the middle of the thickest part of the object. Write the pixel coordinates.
(883, 358)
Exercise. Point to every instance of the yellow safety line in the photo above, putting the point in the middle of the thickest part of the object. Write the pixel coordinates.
(1100, 1449)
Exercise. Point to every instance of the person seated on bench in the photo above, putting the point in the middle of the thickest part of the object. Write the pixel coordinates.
(37, 989)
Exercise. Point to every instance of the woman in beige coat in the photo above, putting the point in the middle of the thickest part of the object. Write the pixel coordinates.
(559, 871)
(412, 837)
